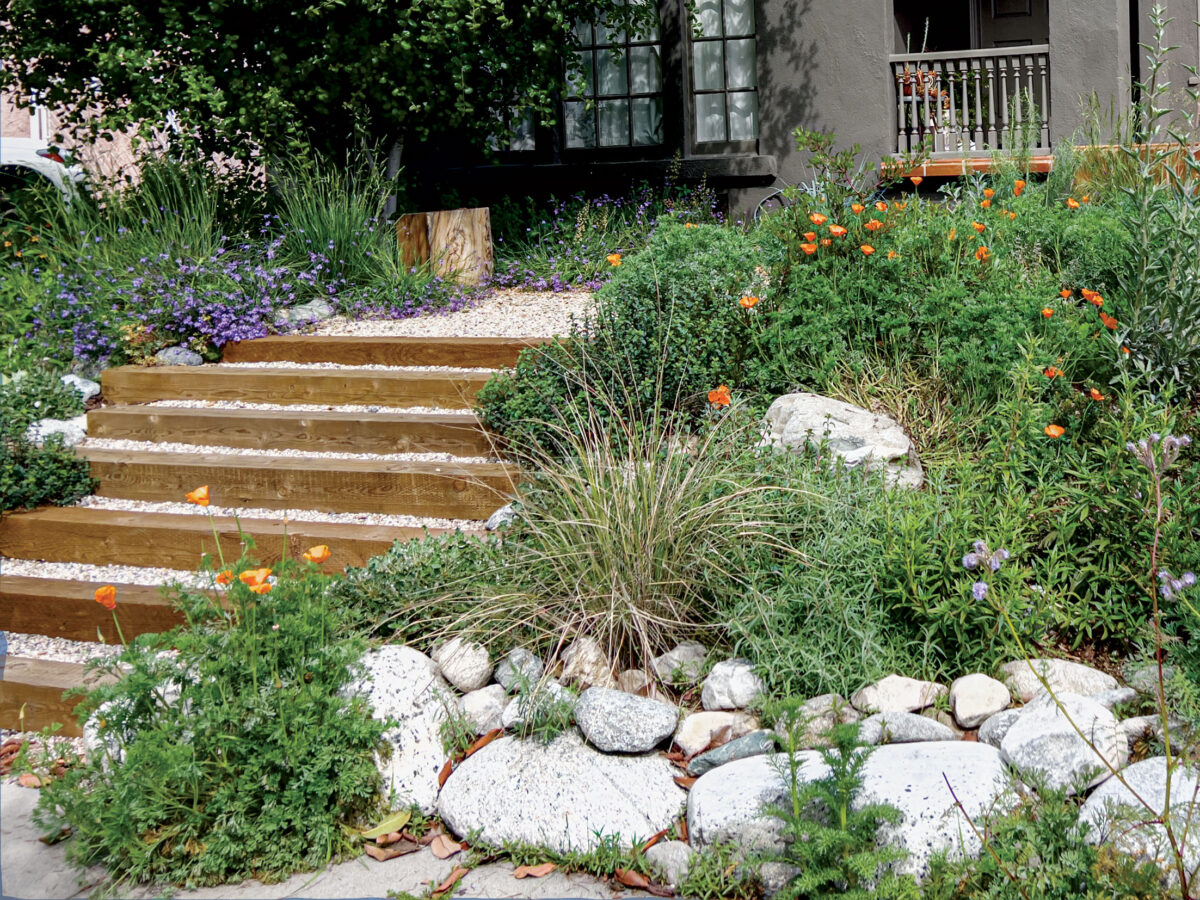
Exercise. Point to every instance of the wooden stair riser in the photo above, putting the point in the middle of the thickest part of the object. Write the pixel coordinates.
(177, 541)
(485, 352)
(254, 429)
(68, 609)
(285, 386)
(31, 694)
(424, 489)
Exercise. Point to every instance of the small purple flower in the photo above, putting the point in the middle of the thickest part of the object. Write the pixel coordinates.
(979, 590)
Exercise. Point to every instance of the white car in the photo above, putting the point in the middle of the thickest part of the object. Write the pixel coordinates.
(24, 162)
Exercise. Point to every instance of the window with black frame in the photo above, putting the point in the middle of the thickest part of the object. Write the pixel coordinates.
(615, 96)
(724, 73)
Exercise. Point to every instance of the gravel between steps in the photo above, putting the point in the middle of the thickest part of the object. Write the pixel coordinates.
(504, 313)
(168, 447)
(278, 515)
(311, 407)
(39, 646)
(30, 568)
(339, 367)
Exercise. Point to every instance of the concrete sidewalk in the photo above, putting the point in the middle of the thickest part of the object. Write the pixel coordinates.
(32, 871)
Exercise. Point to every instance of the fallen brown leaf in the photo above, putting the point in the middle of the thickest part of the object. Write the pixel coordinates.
(29, 780)
(385, 840)
(683, 832)
(443, 847)
(445, 773)
(483, 741)
(676, 756)
(632, 879)
(534, 871)
(719, 738)
(654, 839)
(383, 854)
(685, 781)
(971, 736)
(451, 881)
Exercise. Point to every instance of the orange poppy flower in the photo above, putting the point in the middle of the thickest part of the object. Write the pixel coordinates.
(867, 249)
(881, 206)
(916, 180)
(689, 224)
(1087, 293)
(264, 588)
(979, 227)
(1125, 350)
(873, 225)
(989, 193)
(809, 248)
(106, 596)
(1095, 395)
(837, 230)
(317, 554)
(1011, 215)
(254, 577)
(1072, 203)
(826, 242)
(1052, 372)
(856, 208)
(1018, 187)
(1086, 198)
(810, 236)
(892, 254)
(1096, 300)
(983, 254)
(614, 259)
(1109, 321)
(1047, 312)
(1055, 431)
(952, 235)
(225, 577)
(1065, 293)
(199, 496)
(748, 302)
(901, 205)
(986, 204)
(818, 219)
(719, 396)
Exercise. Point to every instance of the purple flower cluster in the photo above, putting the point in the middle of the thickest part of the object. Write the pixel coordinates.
(1146, 451)
(981, 557)
(1169, 585)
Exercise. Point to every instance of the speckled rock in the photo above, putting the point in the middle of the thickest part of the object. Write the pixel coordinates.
(503, 517)
(696, 731)
(85, 386)
(617, 722)
(519, 665)
(814, 720)
(902, 728)
(539, 695)
(976, 698)
(1110, 699)
(73, 431)
(731, 684)
(178, 356)
(313, 311)
(484, 707)
(993, 729)
(1063, 676)
(897, 693)
(586, 665)
(682, 665)
(464, 664)
(669, 861)
(1044, 746)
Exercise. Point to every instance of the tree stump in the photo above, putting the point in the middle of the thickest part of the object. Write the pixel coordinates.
(457, 241)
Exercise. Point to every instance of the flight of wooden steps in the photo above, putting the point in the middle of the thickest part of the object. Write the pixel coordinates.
(264, 377)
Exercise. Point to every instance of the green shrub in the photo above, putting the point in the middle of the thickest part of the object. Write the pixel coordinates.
(31, 475)
(236, 756)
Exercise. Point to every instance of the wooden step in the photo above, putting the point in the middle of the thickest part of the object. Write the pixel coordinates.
(284, 386)
(258, 429)
(62, 608)
(444, 490)
(488, 352)
(31, 693)
(176, 540)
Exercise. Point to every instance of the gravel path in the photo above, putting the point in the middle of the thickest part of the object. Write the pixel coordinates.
(505, 313)
(99, 575)
(275, 515)
(339, 367)
(38, 646)
(311, 407)
(168, 447)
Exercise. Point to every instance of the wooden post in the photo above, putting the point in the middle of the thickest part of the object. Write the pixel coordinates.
(458, 241)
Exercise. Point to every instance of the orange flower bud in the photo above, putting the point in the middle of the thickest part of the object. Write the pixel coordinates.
(264, 588)
(873, 225)
(224, 578)
(809, 248)
(254, 577)
(989, 193)
(979, 227)
(856, 208)
(719, 396)
(614, 259)
(916, 180)
(106, 596)
(837, 230)
(880, 206)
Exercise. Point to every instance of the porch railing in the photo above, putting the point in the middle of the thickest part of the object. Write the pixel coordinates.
(972, 101)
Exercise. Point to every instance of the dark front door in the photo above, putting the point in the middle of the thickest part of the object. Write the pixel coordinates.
(1013, 23)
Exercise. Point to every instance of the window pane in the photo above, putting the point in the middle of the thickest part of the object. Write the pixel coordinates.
(580, 84)
(606, 36)
(710, 117)
(523, 137)
(583, 31)
(644, 70)
(614, 123)
(740, 57)
(709, 66)
(579, 125)
(709, 14)
(647, 121)
(739, 17)
(611, 77)
(743, 116)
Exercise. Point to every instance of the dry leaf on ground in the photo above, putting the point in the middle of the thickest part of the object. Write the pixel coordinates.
(450, 882)
(685, 781)
(444, 847)
(383, 854)
(483, 741)
(534, 871)
(445, 773)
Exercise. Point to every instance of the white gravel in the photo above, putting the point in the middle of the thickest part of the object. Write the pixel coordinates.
(168, 447)
(504, 313)
(99, 575)
(39, 646)
(311, 407)
(62, 746)
(246, 514)
(328, 366)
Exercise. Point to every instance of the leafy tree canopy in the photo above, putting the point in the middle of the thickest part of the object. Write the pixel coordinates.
(246, 74)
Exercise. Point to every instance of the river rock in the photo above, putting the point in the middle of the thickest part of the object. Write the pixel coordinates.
(520, 665)
(586, 665)
(1063, 676)
(731, 684)
(902, 728)
(178, 356)
(503, 517)
(669, 861)
(85, 386)
(464, 664)
(976, 698)
(683, 665)
(1044, 748)
(305, 314)
(896, 693)
(857, 436)
(484, 707)
(697, 731)
(636, 681)
(813, 721)
(943, 718)
(755, 743)
(617, 722)
(993, 729)
(563, 795)
(403, 684)
(73, 431)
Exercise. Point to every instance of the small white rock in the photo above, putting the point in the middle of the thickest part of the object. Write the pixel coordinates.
(896, 693)
(484, 707)
(697, 730)
(975, 698)
(1062, 675)
(682, 665)
(731, 684)
(73, 431)
(518, 666)
(586, 665)
(464, 664)
(85, 386)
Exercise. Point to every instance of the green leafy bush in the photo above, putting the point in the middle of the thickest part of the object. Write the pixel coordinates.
(227, 750)
(31, 475)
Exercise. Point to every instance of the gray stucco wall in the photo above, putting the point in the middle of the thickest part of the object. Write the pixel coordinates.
(1089, 51)
(1183, 33)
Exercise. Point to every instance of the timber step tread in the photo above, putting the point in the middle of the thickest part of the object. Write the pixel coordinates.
(67, 608)
(284, 429)
(413, 487)
(489, 352)
(76, 534)
(35, 687)
(286, 385)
